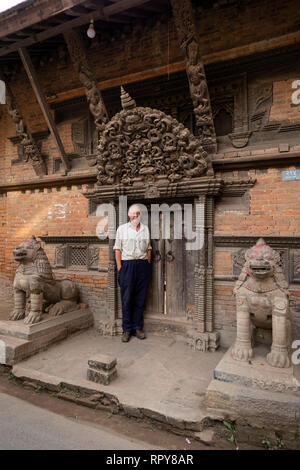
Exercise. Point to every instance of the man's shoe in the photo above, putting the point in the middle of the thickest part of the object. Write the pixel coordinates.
(126, 336)
(140, 334)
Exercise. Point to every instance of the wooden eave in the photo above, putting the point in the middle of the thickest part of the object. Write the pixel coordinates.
(32, 22)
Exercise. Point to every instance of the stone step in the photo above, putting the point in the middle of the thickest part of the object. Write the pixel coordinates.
(11, 348)
(240, 400)
(71, 320)
(22, 341)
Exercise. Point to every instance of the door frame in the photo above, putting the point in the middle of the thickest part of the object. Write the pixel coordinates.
(202, 191)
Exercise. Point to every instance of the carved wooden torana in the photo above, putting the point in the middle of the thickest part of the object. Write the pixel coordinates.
(143, 144)
(187, 33)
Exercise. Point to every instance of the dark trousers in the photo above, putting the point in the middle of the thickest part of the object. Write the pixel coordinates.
(134, 277)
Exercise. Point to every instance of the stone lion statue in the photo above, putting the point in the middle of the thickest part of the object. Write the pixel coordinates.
(262, 301)
(34, 281)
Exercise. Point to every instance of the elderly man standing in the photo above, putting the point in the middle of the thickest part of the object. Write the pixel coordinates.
(133, 257)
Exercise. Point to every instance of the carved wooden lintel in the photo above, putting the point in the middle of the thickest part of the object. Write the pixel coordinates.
(187, 33)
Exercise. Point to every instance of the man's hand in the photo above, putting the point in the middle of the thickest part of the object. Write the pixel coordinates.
(118, 259)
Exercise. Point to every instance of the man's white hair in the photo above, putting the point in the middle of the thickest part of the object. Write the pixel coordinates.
(132, 207)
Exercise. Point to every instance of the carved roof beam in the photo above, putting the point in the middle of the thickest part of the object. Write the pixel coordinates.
(31, 150)
(189, 43)
(77, 11)
(31, 73)
(78, 56)
(121, 6)
(21, 17)
(155, 7)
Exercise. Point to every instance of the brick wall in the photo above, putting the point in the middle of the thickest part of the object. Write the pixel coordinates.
(283, 107)
(51, 212)
(274, 208)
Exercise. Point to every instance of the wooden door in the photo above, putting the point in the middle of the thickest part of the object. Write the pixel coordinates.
(155, 294)
(167, 290)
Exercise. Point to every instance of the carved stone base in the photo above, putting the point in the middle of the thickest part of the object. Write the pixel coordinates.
(167, 327)
(203, 341)
(254, 389)
(256, 373)
(107, 327)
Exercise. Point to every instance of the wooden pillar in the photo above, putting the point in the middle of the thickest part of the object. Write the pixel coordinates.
(78, 56)
(44, 105)
(200, 268)
(189, 43)
(31, 149)
(112, 296)
(210, 263)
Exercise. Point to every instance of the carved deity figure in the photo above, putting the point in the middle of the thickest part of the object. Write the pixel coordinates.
(34, 281)
(262, 301)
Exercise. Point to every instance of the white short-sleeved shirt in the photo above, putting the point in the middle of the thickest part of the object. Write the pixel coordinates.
(133, 244)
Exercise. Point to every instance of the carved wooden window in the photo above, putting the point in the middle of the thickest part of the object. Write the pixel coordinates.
(57, 165)
(78, 253)
(77, 257)
(92, 207)
(84, 136)
(83, 130)
(223, 122)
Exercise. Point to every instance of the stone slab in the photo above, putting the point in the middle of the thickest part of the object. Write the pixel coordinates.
(101, 377)
(257, 373)
(53, 382)
(71, 320)
(102, 362)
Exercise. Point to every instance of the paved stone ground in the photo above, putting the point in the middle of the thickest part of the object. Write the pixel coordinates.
(159, 373)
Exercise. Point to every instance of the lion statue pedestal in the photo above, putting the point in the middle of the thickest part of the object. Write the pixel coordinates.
(34, 280)
(262, 301)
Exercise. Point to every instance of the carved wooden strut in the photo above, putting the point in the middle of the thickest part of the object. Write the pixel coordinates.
(186, 30)
(31, 150)
(78, 55)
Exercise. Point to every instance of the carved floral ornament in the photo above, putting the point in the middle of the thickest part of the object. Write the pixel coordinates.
(143, 144)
